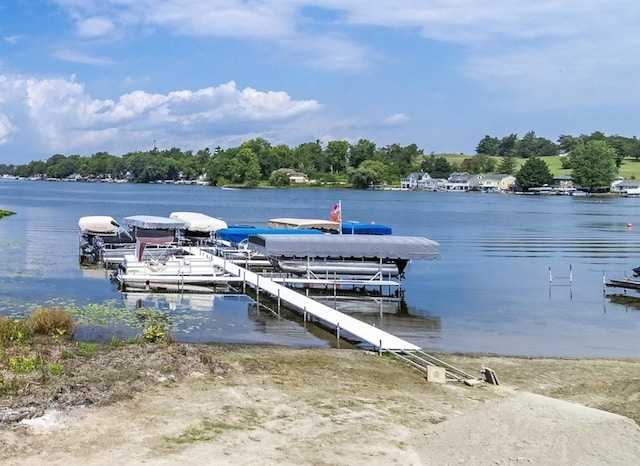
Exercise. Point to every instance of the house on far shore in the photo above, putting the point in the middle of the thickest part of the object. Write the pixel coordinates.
(421, 181)
(562, 182)
(294, 176)
(496, 183)
(627, 187)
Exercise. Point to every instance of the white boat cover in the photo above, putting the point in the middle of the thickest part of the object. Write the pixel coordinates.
(195, 221)
(98, 224)
(318, 224)
(151, 222)
(339, 246)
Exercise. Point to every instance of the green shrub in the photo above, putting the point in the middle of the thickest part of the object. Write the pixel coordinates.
(154, 333)
(55, 322)
(13, 330)
(25, 364)
(87, 349)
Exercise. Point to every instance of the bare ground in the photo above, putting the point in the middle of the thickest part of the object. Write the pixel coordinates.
(201, 404)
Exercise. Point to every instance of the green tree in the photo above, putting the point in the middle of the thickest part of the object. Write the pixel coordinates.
(482, 163)
(436, 167)
(508, 145)
(363, 150)
(533, 146)
(370, 172)
(488, 145)
(593, 164)
(507, 165)
(534, 172)
(567, 142)
(279, 179)
(337, 153)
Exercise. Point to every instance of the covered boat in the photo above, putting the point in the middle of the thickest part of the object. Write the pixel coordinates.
(97, 233)
(198, 226)
(149, 229)
(305, 223)
(98, 225)
(344, 255)
(355, 228)
(238, 235)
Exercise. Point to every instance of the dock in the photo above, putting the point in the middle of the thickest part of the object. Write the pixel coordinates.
(343, 324)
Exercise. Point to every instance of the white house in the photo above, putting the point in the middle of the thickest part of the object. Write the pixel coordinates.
(415, 181)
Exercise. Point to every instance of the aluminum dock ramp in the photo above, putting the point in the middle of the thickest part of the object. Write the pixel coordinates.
(361, 331)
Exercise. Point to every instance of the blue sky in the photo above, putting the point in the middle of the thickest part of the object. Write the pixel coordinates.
(84, 76)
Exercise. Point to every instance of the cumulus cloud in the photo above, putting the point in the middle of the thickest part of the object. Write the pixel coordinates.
(64, 118)
(6, 128)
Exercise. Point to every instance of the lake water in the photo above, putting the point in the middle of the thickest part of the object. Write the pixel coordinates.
(489, 292)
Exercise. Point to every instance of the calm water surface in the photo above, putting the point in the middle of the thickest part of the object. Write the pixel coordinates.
(490, 291)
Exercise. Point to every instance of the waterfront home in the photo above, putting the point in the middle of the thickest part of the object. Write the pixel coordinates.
(627, 187)
(294, 176)
(496, 183)
(415, 181)
(459, 181)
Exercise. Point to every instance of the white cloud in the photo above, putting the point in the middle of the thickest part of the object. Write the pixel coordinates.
(95, 27)
(12, 39)
(79, 57)
(6, 128)
(396, 119)
(65, 119)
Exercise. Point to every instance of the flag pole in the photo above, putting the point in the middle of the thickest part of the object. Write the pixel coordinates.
(340, 207)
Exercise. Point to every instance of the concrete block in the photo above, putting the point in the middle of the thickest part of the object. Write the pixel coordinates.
(436, 374)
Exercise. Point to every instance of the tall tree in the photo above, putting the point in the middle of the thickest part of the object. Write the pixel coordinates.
(488, 145)
(508, 145)
(507, 165)
(534, 172)
(337, 153)
(363, 150)
(593, 164)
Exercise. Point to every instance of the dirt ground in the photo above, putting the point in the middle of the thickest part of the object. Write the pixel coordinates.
(204, 404)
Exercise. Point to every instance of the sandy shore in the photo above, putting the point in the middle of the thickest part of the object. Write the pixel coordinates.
(291, 406)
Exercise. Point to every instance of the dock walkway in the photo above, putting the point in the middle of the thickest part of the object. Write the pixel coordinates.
(377, 338)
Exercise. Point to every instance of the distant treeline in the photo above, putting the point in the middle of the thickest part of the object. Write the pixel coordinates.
(256, 161)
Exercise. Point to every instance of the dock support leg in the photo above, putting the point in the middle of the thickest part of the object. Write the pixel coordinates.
(258, 290)
(278, 302)
(338, 333)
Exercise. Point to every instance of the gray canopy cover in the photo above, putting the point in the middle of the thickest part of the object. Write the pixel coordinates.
(361, 246)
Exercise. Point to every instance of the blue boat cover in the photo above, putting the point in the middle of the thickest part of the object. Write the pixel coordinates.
(237, 235)
(352, 228)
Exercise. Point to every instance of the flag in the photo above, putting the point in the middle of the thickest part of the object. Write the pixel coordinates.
(336, 213)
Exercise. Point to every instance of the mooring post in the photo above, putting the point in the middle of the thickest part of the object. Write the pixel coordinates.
(278, 302)
(380, 348)
(338, 334)
(570, 274)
